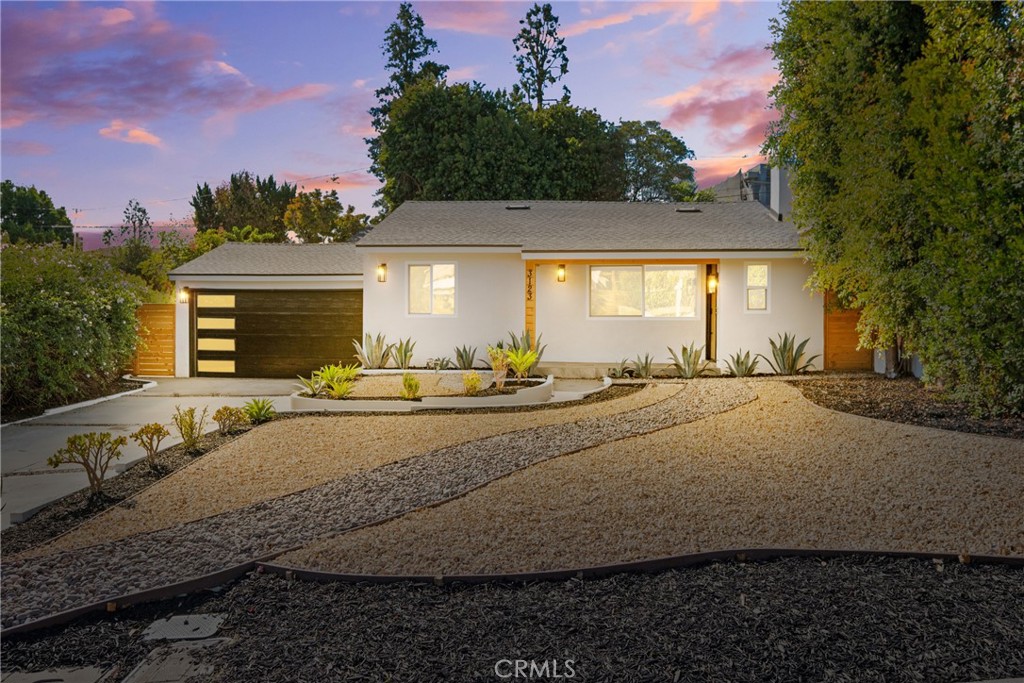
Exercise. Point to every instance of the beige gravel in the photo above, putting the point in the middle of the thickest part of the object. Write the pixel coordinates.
(292, 455)
(431, 384)
(777, 472)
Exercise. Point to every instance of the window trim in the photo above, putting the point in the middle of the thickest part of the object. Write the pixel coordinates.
(767, 288)
(698, 310)
(408, 285)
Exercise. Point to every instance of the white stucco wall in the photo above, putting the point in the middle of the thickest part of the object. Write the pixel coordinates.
(489, 302)
(791, 308)
(571, 335)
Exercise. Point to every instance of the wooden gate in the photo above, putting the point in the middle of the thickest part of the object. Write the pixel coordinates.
(155, 354)
(841, 338)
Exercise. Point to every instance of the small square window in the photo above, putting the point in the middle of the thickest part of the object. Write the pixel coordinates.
(432, 289)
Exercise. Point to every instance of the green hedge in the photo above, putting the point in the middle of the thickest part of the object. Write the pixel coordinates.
(67, 325)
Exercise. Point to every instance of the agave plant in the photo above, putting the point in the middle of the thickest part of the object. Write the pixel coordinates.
(442, 363)
(622, 371)
(643, 367)
(332, 374)
(374, 352)
(340, 389)
(465, 357)
(521, 360)
(523, 342)
(741, 366)
(401, 353)
(259, 410)
(312, 387)
(688, 363)
(788, 356)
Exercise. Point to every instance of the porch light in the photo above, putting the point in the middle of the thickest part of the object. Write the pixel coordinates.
(561, 272)
(382, 272)
(712, 284)
(183, 295)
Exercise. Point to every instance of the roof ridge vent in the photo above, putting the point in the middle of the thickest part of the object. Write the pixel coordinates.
(517, 207)
(688, 209)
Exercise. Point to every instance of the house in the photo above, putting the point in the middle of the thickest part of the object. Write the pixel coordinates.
(601, 281)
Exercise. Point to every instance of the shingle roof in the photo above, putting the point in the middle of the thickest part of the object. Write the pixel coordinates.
(585, 226)
(236, 258)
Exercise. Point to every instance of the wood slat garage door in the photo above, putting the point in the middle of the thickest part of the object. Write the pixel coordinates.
(841, 338)
(255, 333)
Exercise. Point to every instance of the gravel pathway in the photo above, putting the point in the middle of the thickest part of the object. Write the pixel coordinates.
(778, 472)
(38, 586)
(850, 619)
(288, 456)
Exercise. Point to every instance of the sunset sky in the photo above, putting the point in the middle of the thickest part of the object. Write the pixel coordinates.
(102, 103)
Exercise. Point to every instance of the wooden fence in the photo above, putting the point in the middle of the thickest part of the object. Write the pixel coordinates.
(155, 355)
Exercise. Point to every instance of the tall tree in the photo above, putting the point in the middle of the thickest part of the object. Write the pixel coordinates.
(132, 245)
(406, 48)
(28, 215)
(540, 54)
(655, 161)
(204, 209)
(320, 217)
(902, 123)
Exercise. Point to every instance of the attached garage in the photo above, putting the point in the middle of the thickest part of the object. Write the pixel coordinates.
(269, 310)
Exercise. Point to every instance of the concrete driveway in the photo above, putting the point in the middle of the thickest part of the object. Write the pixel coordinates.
(29, 483)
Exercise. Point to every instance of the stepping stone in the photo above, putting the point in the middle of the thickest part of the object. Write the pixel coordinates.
(173, 663)
(83, 675)
(184, 627)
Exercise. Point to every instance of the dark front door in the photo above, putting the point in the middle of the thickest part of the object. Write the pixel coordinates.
(273, 333)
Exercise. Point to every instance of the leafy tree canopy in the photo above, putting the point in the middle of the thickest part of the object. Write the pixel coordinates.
(540, 58)
(904, 126)
(655, 161)
(244, 200)
(320, 217)
(28, 215)
(135, 235)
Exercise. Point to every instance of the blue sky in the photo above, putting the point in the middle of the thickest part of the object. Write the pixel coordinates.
(105, 102)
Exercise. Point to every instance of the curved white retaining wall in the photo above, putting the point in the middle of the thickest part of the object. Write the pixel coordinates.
(528, 396)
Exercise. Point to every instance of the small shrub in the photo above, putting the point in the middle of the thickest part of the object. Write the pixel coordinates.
(465, 357)
(94, 452)
(523, 342)
(314, 387)
(374, 352)
(340, 390)
(471, 382)
(260, 410)
(688, 363)
(622, 371)
(741, 366)
(332, 374)
(229, 419)
(787, 355)
(521, 360)
(190, 429)
(410, 387)
(149, 437)
(442, 363)
(401, 353)
(643, 367)
(499, 365)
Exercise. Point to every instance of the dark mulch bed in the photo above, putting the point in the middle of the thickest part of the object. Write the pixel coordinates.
(70, 511)
(848, 619)
(904, 400)
(120, 386)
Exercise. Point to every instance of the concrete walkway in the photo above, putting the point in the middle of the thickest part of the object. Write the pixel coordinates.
(29, 483)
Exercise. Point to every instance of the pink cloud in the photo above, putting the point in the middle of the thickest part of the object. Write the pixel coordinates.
(463, 73)
(341, 182)
(481, 18)
(689, 13)
(105, 63)
(137, 135)
(713, 171)
(740, 59)
(256, 99)
(26, 148)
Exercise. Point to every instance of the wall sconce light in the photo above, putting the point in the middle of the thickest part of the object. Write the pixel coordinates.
(561, 272)
(183, 295)
(712, 283)
(382, 272)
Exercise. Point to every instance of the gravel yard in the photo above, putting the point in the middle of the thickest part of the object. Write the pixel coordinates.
(431, 384)
(292, 455)
(777, 472)
(849, 619)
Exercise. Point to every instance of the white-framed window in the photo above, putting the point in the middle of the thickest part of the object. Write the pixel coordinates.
(652, 291)
(756, 276)
(432, 288)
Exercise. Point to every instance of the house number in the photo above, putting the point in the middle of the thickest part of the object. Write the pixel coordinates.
(529, 284)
